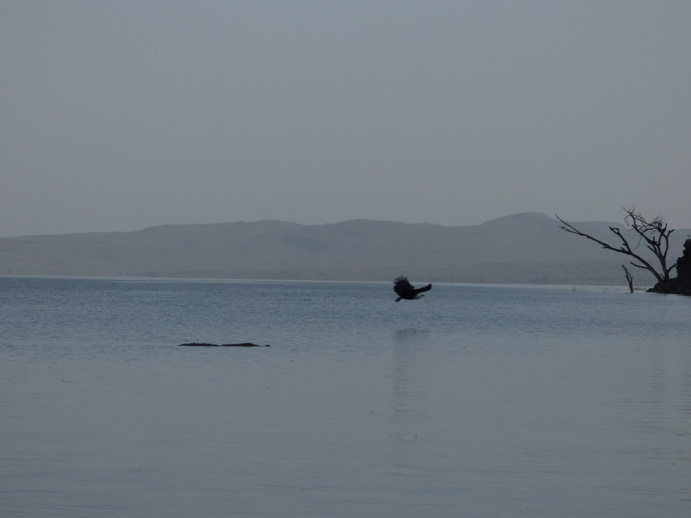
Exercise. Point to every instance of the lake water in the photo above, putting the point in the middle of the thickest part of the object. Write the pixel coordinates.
(475, 401)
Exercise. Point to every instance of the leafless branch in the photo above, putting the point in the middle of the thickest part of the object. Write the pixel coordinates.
(629, 277)
(654, 233)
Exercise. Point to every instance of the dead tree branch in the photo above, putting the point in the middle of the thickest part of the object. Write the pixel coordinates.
(654, 233)
(629, 277)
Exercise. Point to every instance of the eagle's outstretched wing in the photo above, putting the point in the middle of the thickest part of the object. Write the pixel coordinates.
(424, 288)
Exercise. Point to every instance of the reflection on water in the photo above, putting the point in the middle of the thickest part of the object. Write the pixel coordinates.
(410, 395)
(410, 378)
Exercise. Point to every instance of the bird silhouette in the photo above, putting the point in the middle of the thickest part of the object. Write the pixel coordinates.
(407, 291)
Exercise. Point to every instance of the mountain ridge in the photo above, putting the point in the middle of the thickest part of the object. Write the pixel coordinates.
(520, 248)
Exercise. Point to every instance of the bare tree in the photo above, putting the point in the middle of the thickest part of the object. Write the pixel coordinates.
(654, 233)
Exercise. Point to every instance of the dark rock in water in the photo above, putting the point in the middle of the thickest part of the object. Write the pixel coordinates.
(681, 284)
(204, 344)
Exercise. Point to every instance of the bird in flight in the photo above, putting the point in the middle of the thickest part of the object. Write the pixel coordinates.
(406, 291)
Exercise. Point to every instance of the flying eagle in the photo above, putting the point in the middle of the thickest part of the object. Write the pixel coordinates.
(405, 290)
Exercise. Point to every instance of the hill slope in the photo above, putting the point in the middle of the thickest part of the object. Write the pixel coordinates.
(519, 248)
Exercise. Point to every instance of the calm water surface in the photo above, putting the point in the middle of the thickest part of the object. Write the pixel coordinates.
(474, 401)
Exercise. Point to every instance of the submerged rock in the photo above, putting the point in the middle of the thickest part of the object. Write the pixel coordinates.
(205, 344)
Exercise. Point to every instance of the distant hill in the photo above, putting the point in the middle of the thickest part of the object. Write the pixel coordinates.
(522, 248)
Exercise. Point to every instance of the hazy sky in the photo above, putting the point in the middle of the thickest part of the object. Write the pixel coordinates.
(127, 114)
